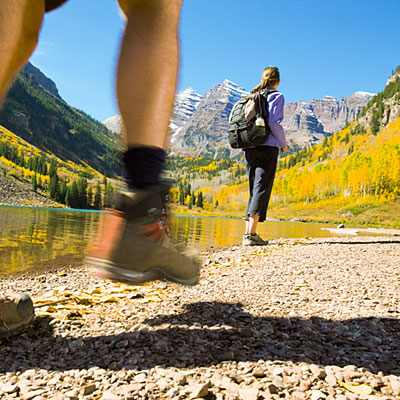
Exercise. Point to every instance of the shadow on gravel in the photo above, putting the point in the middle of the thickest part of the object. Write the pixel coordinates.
(205, 334)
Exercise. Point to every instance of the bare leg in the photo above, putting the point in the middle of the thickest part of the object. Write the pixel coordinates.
(148, 69)
(251, 224)
(20, 22)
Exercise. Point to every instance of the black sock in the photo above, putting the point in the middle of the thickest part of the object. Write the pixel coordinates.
(142, 166)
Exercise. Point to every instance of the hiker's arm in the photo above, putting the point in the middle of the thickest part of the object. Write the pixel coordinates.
(275, 107)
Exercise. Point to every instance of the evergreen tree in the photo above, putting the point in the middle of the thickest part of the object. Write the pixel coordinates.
(97, 197)
(90, 196)
(63, 192)
(81, 188)
(181, 197)
(72, 199)
(190, 205)
(53, 186)
(199, 202)
(34, 183)
(108, 200)
(21, 160)
(53, 167)
(374, 124)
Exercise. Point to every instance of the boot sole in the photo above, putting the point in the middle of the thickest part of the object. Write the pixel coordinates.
(109, 270)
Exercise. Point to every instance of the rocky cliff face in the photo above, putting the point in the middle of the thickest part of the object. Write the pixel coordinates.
(41, 80)
(199, 124)
(205, 131)
(308, 122)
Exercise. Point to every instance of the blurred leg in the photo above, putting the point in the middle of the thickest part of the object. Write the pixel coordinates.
(139, 248)
(148, 69)
(20, 22)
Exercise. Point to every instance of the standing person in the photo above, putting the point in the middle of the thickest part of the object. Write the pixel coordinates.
(260, 161)
(134, 245)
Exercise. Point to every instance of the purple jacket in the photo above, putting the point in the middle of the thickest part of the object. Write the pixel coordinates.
(276, 138)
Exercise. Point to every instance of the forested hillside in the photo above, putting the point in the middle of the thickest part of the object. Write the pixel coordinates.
(34, 111)
(63, 182)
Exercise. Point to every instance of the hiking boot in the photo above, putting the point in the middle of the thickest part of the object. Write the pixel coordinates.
(16, 312)
(252, 239)
(134, 244)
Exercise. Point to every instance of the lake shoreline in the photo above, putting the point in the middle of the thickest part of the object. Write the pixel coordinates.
(297, 319)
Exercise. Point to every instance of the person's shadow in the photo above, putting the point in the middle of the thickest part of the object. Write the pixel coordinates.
(205, 334)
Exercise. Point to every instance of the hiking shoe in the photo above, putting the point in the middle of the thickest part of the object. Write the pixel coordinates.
(252, 239)
(16, 312)
(134, 244)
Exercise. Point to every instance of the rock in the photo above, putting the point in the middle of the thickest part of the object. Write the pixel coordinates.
(163, 384)
(72, 394)
(305, 385)
(317, 371)
(88, 389)
(317, 395)
(330, 379)
(198, 390)
(395, 385)
(237, 378)
(179, 378)
(232, 389)
(107, 395)
(248, 393)
(221, 382)
(271, 388)
(125, 390)
(7, 388)
(140, 378)
(278, 371)
(28, 395)
(258, 372)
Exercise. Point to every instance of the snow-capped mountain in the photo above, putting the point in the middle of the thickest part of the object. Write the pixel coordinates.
(114, 124)
(205, 132)
(186, 102)
(199, 124)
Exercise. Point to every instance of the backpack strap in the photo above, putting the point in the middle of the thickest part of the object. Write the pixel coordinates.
(258, 105)
(264, 107)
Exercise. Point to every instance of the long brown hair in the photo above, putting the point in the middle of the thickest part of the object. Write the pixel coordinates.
(270, 76)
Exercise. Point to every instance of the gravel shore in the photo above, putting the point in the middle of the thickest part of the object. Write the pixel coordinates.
(17, 193)
(297, 319)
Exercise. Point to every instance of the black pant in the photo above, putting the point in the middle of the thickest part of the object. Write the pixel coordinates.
(260, 164)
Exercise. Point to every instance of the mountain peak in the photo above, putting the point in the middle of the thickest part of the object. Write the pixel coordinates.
(41, 79)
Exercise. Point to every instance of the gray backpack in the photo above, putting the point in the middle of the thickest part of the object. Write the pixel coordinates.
(248, 127)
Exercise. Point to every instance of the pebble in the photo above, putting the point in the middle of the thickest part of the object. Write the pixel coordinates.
(298, 319)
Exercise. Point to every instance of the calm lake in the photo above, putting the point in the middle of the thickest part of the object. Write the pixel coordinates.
(36, 238)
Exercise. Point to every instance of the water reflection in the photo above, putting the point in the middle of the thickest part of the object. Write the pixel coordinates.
(203, 232)
(34, 238)
(37, 238)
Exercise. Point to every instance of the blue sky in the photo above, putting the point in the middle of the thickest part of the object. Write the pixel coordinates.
(322, 47)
